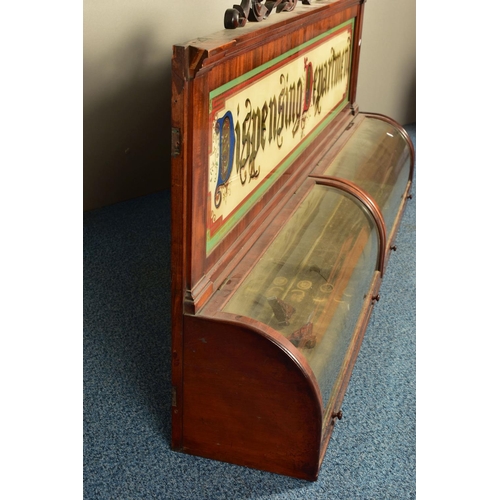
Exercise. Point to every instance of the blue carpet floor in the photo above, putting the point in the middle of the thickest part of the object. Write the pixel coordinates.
(127, 378)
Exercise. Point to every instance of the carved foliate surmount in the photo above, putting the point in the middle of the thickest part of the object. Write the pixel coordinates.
(256, 11)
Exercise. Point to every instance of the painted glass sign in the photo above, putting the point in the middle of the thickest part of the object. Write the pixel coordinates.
(264, 119)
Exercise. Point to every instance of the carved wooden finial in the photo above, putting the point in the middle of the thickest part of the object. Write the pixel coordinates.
(256, 11)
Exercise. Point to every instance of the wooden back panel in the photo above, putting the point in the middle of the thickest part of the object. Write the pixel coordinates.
(210, 71)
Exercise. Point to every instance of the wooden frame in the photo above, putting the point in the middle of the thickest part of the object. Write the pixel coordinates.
(242, 391)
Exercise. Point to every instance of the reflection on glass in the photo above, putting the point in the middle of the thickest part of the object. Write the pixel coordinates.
(377, 159)
(311, 283)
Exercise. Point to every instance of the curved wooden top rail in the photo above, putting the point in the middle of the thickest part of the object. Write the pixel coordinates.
(368, 202)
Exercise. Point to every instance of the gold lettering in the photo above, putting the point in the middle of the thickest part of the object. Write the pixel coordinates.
(281, 114)
(263, 126)
(255, 143)
(298, 107)
(273, 120)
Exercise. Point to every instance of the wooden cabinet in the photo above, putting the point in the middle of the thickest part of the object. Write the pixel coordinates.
(285, 204)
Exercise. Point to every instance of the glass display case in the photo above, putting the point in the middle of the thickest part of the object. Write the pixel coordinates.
(286, 201)
(377, 158)
(311, 283)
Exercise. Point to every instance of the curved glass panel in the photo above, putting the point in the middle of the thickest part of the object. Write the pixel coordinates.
(377, 159)
(311, 283)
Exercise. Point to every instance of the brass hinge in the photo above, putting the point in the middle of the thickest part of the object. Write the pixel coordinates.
(176, 141)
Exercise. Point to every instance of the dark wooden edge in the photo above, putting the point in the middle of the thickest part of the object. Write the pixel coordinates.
(370, 205)
(249, 399)
(357, 53)
(179, 214)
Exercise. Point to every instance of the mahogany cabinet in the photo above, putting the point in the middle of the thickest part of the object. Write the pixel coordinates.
(285, 204)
